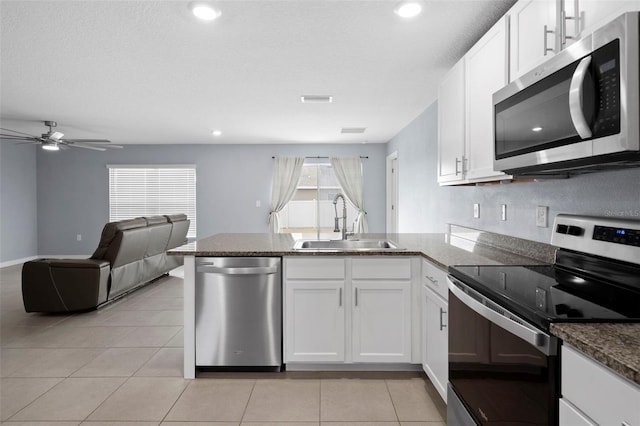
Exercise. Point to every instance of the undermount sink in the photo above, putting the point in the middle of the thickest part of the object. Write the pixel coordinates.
(345, 245)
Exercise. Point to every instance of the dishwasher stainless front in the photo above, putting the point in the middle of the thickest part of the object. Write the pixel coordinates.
(238, 312)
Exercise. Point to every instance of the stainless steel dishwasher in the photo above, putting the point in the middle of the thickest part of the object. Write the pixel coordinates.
(238, 312)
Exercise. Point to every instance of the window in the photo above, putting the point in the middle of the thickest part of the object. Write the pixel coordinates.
(136, 191)
(311, 209)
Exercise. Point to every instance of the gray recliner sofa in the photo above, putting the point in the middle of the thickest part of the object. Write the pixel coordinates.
(130, 254)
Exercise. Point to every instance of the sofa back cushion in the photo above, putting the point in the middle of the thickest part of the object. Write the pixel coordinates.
(111, 238)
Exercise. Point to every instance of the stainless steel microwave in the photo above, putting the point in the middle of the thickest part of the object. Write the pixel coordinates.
(577, 112)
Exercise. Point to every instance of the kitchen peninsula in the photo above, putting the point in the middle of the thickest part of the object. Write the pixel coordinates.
(458, 246)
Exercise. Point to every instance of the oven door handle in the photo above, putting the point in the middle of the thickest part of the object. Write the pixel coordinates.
(527, 333)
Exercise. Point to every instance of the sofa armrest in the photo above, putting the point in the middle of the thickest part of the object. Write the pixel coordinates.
(64, 285)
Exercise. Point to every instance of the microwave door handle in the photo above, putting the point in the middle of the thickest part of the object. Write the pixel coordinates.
(575, 99)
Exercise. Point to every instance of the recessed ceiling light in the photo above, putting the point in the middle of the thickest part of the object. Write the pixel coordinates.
(318, 99)
(537, 129)
(204, 11)
(217, 133)
(408, 9)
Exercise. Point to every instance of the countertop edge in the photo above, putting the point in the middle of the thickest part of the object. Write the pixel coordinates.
(594, 340)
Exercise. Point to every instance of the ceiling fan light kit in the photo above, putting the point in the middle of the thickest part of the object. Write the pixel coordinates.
(50, 146)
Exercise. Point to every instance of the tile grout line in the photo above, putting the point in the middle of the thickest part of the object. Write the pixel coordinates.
(189, 383)
(395, 410)
(246, 406)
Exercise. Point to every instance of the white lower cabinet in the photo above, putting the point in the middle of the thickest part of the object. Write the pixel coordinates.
(314, 323)
(435, 335)
(593, 395)
(336, 312)
(382, 321)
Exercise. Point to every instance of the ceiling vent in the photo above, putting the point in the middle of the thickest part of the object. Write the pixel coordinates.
(353, 130)
(316, 99)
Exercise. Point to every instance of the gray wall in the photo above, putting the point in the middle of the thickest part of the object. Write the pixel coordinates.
(73, 187)
(18, 202)
(426, 207)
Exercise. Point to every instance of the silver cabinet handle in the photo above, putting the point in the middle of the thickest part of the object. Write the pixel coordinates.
(575, 98)
(203, 267)
(433, 280)
(524, 331)
(442, 324)
(546, 33)
(576, 17)
(458, 161)
(340, 297)
(356, 296)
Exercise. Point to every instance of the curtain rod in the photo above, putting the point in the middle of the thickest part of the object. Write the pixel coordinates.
(318, 157)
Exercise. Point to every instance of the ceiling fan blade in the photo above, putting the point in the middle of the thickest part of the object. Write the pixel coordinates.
(27, 142)
(95, 148)
(88, 140)
(17, 138)
(15, 131)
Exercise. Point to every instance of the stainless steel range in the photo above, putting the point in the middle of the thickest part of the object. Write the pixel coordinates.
(503, 362)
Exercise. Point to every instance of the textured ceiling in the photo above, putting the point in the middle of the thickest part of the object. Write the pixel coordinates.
(149, 72)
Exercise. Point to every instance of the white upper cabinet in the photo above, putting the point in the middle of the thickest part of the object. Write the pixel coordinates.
(451, 125)
(591, 14)
(485, 73)
(532, 35)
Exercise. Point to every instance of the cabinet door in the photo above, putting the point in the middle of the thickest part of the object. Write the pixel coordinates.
(451, 125)
(592, 14)
(486, 73)
(437, 351)
(314, 320)
(381, 321)
(532, 34)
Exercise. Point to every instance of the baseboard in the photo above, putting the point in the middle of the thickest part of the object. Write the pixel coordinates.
(16, 261)
(41, 256)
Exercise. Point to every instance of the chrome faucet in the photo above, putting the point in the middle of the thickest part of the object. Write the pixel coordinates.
(344, 215)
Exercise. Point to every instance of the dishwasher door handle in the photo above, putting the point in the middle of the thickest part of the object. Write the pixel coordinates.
(253, 270)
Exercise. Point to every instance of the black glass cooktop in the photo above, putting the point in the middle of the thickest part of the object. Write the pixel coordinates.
(546, 294)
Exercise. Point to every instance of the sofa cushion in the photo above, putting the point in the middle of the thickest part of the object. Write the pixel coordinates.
(110, 231)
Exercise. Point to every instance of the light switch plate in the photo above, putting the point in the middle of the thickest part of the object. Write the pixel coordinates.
(541, 216)
(476, 210)
(503, 212)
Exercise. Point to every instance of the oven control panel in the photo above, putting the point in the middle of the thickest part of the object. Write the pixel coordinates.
(615, 238)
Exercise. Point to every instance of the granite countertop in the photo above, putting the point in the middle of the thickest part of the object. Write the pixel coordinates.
(615, 345)
(441, 249)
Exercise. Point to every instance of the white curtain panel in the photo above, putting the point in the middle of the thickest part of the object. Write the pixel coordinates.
(286, 174)
(348, 170)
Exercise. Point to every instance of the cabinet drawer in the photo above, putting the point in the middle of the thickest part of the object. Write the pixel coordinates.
(314, 268)
(381, 268)
(569, 415)
(435, 279)
(605, 397)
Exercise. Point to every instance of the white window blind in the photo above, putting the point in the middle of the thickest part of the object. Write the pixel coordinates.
(136, 191)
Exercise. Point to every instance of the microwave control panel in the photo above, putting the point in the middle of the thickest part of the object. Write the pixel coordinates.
(606, 74)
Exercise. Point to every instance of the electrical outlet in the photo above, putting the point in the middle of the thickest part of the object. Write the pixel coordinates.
(503, 212)
(79, 237)
(541, 216)
(476, 210)
(258, 203)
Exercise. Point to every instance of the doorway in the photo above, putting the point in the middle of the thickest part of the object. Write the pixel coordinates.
(392, 193)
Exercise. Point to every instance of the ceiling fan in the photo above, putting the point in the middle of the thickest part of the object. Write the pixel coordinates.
(53, 141)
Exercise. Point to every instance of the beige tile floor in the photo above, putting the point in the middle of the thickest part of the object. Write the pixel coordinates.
(122, 365)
